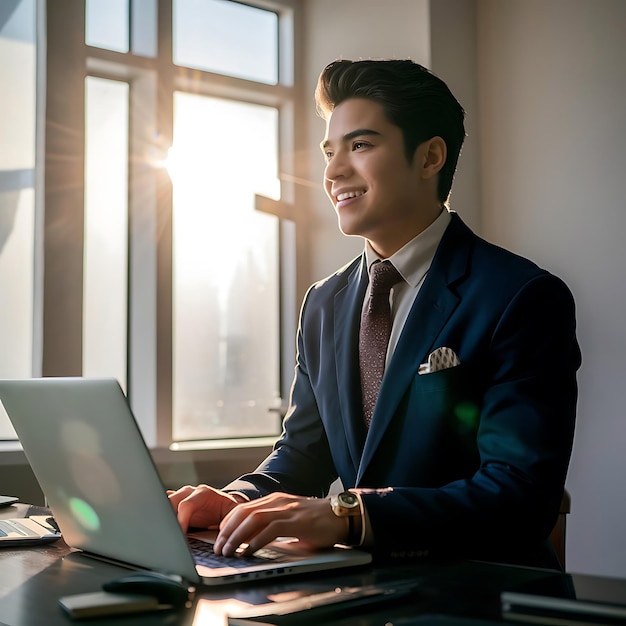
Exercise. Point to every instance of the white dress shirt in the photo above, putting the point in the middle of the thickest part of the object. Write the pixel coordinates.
(412, 261)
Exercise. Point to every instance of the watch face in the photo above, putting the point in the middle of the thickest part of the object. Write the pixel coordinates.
(348, 499)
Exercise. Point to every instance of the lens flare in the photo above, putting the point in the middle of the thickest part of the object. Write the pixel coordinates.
(467, 416)
(84, 514)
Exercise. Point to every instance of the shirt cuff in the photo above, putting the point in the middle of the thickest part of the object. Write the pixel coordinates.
(241, 494)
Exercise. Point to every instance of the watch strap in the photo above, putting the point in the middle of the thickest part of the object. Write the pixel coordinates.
(355, 530)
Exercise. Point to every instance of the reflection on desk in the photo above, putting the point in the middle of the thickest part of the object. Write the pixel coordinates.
(462, 593)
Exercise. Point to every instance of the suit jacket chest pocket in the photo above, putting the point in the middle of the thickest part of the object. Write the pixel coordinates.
(445, 405)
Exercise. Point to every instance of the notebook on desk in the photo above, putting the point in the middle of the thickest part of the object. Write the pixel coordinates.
(86, 450)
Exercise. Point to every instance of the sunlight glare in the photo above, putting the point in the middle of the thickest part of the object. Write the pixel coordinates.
(226, 266)
(217, 163)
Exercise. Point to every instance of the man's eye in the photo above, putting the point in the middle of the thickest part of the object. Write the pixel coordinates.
(328, 155)
(357, 145)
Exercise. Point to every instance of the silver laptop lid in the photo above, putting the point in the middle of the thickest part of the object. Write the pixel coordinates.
(90, 459)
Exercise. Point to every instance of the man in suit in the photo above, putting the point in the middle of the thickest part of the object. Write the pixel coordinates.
(468, 444)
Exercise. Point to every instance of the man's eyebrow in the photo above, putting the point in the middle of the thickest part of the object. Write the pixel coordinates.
(359, 132)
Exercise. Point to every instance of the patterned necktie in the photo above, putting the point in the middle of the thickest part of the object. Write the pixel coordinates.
(374, 335)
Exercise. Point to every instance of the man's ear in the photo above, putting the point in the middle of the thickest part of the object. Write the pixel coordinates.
(433, 153)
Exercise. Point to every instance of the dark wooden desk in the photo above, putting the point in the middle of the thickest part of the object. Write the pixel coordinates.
(32, 579)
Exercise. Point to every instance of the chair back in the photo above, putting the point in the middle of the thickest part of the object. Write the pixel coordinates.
(557, 536)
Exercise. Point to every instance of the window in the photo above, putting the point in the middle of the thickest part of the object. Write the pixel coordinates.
(105, 264)
(18, 211)
(228, 38)
(225, 260)
(168, 160)
(107, 24)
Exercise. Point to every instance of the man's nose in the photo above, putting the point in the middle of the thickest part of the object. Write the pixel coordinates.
(337, 167)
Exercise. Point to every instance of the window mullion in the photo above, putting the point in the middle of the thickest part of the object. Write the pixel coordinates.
(64, 189)
(164, 328)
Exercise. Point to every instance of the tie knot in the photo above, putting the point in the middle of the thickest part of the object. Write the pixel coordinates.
(383, 276)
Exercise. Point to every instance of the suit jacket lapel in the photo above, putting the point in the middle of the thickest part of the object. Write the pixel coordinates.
(347, 319)
(433, 306)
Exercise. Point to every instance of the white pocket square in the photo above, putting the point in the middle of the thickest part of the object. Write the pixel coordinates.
(439, 359)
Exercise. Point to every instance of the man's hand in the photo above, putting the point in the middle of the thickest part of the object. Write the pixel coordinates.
(202, 506)
(252, 525)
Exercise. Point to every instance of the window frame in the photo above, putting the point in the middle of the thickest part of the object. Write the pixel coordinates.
(68, 62)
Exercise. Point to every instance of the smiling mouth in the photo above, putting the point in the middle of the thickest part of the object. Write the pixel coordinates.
(348, 195)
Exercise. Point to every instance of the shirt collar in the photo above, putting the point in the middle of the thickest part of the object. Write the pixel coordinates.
(415, 257)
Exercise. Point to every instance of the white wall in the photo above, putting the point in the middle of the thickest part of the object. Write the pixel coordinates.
(544, 85)
(453, 57)
(351, 29)
(552, 87)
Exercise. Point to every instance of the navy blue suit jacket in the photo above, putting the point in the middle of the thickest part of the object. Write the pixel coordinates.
(469, 461)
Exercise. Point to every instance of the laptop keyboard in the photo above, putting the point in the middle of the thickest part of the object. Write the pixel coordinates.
(14, 528)
(203, 555)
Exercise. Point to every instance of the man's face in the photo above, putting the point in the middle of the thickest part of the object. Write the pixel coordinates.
(376, 192)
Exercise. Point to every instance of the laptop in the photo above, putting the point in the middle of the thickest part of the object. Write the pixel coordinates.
(87, 452)
(27, 531)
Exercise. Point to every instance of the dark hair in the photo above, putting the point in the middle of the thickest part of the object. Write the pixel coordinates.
(413, 98)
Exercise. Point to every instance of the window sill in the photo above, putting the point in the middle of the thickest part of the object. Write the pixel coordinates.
(215, 461)
(224, 444)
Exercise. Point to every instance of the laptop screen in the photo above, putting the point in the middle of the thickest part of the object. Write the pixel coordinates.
(91, 461)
